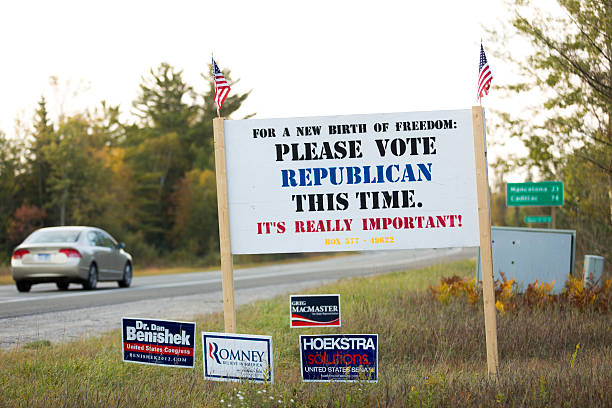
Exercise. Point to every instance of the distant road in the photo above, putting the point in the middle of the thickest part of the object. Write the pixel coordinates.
(187, 294)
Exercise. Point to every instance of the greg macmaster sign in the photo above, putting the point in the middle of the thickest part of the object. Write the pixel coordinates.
(352, 183)
(315, 310)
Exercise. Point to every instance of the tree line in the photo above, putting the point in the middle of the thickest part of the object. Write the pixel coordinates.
(150, 183)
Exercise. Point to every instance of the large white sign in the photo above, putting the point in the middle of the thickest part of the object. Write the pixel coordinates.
(352, 183)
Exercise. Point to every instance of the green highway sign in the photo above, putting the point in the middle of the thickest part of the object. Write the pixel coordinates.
(542, 194)
(532, 219)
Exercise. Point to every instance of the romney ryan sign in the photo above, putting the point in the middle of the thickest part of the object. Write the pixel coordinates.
(237, 357)
(347, 183)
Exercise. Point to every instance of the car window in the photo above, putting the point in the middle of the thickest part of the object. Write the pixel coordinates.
(92, 238)
(51, 236)
(104, 240)
(111, 241)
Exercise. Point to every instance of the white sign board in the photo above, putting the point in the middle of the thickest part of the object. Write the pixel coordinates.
(237, 357)
(352, 183)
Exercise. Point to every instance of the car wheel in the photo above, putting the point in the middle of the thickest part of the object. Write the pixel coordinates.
(127, 276)
(92, 278)
(23, 286)
(62, 285)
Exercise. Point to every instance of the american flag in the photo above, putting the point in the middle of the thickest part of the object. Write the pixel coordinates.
(484, 75)
(221, 87)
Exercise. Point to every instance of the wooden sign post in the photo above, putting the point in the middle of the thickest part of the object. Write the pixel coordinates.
(486, 256)
(227, 267)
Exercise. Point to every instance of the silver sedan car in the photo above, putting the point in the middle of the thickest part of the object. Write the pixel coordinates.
(66, 255)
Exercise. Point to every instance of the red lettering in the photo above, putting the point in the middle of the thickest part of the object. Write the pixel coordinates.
(441, 220)
(408, 222)
(437, 221)
(310, 226)
(299, 226)
(386, 222)
(430, 223)
(347, 223)
(420, 222)
(397, 223)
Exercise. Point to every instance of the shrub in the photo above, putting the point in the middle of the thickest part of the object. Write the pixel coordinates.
(456, 287)
(576, 294)
(589, 295)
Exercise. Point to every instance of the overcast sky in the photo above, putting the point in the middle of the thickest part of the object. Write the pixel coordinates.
(298, 58)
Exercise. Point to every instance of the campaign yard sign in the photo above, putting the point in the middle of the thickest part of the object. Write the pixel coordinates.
(339, 357)
(158, 342)
(315, 310)
(351, 183)
(237, 357)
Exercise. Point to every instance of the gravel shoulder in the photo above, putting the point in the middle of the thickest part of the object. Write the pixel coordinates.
(76, 324)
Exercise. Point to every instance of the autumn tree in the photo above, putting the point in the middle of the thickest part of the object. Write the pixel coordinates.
(195, 213)
(25, 220)
(568, 130)
(83, 186)
(11, 169)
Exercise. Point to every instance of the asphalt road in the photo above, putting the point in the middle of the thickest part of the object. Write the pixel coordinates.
(46, 313)
(46, 298)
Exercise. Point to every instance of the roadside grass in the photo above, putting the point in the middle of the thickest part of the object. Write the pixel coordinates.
(430, 355)
(5, 275)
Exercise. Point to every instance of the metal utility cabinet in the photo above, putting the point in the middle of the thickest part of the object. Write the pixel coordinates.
(527, 254)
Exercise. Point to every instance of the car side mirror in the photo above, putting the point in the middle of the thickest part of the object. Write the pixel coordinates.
(121, 245)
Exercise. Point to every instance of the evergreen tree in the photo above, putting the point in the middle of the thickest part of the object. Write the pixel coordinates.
(42, 136)
(173, 136)
(158, 146)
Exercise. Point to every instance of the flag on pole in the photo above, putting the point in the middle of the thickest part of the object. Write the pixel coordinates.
(484, 75)
(222, 88)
